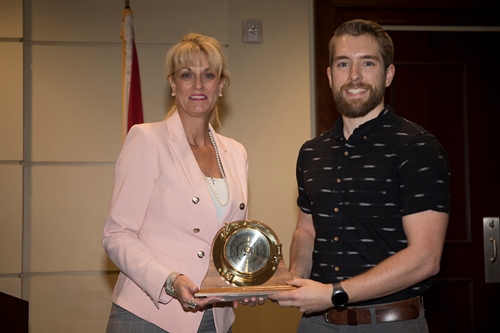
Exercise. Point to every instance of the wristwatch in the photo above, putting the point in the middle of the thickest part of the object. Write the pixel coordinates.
(339, 296)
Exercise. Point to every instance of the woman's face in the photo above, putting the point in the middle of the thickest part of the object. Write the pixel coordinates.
(196, 89)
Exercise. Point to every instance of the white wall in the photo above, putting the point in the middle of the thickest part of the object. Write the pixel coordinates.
(62, 74)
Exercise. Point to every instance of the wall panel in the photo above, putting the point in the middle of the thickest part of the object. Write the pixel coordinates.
(68, 209)
(11, 286)
(11, 100)
(100, 21)
(75, 102)
(78, 303)
(11, 219)
(11, 19)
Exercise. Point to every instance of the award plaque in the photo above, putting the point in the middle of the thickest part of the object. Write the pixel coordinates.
(246, 260)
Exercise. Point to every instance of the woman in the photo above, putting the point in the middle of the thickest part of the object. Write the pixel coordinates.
(176, 183)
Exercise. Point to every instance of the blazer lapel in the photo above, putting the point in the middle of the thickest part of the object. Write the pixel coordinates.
(186, 165)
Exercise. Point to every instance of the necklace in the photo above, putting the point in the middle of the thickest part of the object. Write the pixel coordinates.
(211, 181)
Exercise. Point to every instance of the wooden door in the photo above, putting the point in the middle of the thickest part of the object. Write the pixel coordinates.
(446, 82)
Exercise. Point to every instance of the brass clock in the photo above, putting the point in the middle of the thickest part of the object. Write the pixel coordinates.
(246, 253)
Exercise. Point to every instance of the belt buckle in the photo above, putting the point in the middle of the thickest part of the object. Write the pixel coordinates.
(331, 318)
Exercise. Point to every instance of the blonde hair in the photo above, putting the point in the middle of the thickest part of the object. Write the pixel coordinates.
(189, 52)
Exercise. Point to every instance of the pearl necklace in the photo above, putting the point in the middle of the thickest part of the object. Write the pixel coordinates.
(219, 164)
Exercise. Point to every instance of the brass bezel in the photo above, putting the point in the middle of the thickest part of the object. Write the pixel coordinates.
(230, 273)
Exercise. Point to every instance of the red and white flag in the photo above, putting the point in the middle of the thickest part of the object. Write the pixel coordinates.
(131, 81)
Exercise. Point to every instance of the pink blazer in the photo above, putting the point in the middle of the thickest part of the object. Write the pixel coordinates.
(162, 219)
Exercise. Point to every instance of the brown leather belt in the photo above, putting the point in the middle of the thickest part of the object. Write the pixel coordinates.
(396, 311)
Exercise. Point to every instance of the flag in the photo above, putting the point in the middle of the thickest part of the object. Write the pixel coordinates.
(131, 81)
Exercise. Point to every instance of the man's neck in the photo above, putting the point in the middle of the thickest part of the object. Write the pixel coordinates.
(350, 124)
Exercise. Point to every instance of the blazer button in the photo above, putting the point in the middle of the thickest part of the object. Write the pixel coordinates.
(195, 200)
(196, 230)
(242, 206)
(201, 254)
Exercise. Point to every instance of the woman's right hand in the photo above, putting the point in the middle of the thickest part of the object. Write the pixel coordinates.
(186, 289)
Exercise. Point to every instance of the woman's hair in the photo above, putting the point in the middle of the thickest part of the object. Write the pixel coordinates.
(360, 27)
(189, 52)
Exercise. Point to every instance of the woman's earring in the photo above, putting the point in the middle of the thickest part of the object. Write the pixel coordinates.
(220, 94)
(173, 94)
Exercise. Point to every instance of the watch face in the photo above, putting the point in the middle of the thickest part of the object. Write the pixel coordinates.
(247, 250)
(246, 253)
(340, 299)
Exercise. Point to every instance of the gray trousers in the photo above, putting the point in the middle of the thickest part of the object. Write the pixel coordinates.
(318, 324)
(123, 321)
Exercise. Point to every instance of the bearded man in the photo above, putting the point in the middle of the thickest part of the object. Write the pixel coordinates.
(373, 194)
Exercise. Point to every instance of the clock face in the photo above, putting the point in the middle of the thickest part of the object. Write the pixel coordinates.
(246, 253)
(248, 250)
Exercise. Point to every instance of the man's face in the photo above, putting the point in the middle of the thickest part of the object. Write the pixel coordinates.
(357, 76)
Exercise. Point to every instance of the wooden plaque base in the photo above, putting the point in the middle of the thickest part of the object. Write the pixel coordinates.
(215, 285)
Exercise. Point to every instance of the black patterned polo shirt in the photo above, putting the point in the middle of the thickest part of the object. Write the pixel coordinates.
(358, 191)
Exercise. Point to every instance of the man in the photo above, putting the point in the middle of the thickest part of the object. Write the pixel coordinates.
(373, 199)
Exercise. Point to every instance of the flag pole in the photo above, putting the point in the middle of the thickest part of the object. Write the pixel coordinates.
(124, 86)
(131, 85)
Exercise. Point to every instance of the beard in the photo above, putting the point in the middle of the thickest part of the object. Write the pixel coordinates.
(358, 108)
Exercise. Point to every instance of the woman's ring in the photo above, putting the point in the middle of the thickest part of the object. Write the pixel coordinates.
(192, 304)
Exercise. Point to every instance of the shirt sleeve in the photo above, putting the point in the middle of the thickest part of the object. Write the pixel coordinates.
(424, 176)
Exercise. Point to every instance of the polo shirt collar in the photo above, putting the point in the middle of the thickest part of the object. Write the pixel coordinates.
(337, 131)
